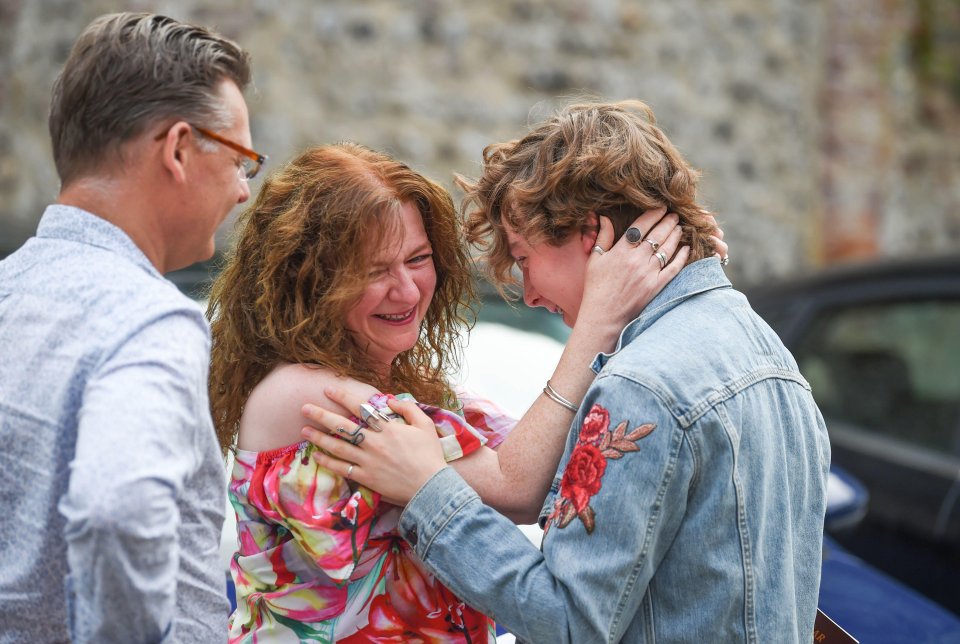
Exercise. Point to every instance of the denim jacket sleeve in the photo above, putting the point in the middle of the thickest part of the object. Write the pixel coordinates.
(621, 493)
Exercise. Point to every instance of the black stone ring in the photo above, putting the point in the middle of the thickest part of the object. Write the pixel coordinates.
(633, 235)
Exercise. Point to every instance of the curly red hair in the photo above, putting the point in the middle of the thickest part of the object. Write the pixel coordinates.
(291, 277)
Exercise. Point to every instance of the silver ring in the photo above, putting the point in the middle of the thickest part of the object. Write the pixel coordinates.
(598, 250)
(372, 417)
(725, 261)
(662, 258)
(653, 243)
(349, 471)
(633, 235)
(357, 438)
(348, 435)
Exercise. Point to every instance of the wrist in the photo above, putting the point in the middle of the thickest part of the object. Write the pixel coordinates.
(597, 333)
(561, 400)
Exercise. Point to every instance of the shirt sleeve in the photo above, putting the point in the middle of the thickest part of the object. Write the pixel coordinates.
(621, 496)
(136, 447)
(488, 418)
(330, 520)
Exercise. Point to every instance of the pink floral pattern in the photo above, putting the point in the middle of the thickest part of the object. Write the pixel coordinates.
(320, 558)
(583, 476)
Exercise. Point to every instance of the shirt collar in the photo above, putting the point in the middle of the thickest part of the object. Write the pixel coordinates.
(699, 277)
(77, 225)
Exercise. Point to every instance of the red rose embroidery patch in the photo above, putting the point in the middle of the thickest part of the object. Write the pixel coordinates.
(588, 462)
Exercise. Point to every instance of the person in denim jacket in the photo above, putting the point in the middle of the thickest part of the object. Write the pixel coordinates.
(689, 502)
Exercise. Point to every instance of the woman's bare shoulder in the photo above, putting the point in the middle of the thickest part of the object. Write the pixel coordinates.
(271, 417)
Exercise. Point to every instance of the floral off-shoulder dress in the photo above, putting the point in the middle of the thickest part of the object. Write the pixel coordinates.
(319, 557)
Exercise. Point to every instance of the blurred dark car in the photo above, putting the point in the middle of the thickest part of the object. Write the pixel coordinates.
(873, 607)
(880, 345)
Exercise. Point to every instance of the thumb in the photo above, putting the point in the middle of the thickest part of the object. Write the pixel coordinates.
(605, 235)
(412, 414)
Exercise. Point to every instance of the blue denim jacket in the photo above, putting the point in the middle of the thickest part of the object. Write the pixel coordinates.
(689, 502)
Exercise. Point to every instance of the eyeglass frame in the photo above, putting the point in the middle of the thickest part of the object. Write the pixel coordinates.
(253, 155)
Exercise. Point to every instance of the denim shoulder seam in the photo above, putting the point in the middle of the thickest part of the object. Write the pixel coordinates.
(667, 403)
(731, 389)
(686, 418)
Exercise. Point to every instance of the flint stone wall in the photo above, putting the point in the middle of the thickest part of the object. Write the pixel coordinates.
(826, 130)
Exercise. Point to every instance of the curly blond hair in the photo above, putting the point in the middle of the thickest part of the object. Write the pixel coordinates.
(606, 158)
(297, 267)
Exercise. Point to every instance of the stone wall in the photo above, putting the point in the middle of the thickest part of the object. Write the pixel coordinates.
(823, 127)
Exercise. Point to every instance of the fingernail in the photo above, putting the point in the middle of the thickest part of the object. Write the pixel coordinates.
(331, 391)
(308, 409)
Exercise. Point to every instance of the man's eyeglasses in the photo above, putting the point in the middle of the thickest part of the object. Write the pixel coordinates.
(251, 164)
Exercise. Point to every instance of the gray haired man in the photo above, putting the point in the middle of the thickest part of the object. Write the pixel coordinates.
(111, 484)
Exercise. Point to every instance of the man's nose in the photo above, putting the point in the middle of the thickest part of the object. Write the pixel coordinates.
(244, 191)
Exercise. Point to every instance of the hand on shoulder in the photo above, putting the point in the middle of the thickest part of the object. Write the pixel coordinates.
(271, 417)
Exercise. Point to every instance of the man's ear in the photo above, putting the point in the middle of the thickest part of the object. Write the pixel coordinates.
(589, 231)
(177, 150)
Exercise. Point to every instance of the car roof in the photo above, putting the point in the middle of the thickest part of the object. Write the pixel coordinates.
(944, 267)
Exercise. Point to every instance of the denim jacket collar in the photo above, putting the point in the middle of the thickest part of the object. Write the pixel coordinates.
(703, 275)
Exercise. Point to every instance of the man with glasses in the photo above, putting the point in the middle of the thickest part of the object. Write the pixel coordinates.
(111, 482)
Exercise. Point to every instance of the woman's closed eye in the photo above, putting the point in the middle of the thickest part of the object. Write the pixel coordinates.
(420, 259)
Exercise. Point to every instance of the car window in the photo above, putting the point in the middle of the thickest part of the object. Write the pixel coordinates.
(891, 368)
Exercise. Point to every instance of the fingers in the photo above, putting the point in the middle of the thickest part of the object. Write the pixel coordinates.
(338, 466)
(325, 420)
(720, 247)
(411, 413)
(674, 266)
(722, 250)
(348, 399)
(333, 446)
(665, 237)
(649, 219)
(655, 229)
(605, 235)
(660, 235)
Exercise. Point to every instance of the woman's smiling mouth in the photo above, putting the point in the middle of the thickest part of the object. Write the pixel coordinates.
(397, 318)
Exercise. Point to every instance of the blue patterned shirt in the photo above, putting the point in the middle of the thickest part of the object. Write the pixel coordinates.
(112, 489)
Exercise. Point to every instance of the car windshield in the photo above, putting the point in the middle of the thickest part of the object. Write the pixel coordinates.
(889, 367)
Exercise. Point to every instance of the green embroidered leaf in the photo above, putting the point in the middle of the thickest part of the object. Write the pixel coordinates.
(586, 515)
(626, 446)
(640, 432)
(605, 441)
(619, 431)
(568, 515)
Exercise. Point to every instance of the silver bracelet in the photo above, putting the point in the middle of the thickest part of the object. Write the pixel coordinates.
(557, 398)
